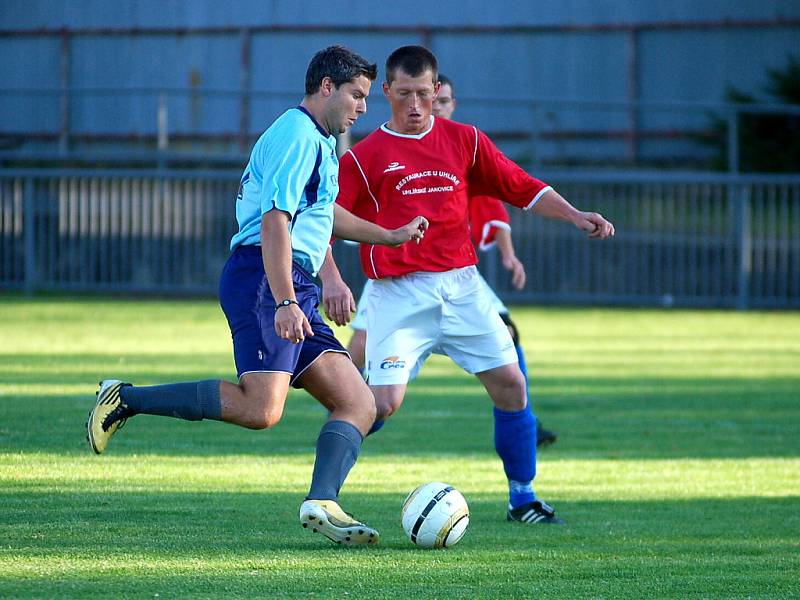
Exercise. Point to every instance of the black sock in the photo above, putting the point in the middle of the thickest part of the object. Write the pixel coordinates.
(192, 401)
(338, 445)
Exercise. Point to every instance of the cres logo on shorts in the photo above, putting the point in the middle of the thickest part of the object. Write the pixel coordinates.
(393, 362)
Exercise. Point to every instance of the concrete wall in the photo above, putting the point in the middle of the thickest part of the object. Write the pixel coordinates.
(119, 56)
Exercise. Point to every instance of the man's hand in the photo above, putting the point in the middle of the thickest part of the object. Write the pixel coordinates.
(413, 230)
(554, 206)
(291, 324)
(338, 301)
(595, 225)
(512, 263)
(502, 238)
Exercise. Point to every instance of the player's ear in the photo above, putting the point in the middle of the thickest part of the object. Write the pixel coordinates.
(326, 86)
(385, 88)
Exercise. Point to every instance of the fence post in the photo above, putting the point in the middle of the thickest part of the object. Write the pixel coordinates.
(733, 141)
(744, 242)
(162, 126)
(29, 236)
(245, 51)
(64, 93)
(535, 136)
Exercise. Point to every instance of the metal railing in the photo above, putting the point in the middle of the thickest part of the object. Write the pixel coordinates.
(683, 239)
(537, 132)
(115, 231)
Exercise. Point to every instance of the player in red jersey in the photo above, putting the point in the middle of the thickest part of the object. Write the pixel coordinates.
(429, 298)
(489, 227)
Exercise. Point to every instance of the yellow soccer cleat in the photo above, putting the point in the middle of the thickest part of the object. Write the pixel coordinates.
(328, 518)
(108, 415)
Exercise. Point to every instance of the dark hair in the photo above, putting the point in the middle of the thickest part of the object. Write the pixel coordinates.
(340, 64)
(445, 80)
(413, 60)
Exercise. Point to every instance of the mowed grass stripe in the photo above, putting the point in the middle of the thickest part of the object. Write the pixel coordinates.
(676, 465)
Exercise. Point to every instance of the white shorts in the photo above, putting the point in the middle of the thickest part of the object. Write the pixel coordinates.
(360, 320)
(496, 302)
(449, 313)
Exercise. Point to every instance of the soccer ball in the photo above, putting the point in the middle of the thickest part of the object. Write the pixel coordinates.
(435, 515)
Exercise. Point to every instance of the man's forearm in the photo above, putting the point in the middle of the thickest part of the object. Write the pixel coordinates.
(347, 226)
(553, 206)
(502, 238)
(329, 271)
(276, 252)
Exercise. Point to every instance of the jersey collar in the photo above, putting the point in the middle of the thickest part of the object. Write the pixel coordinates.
(313, 120)
(414, 136)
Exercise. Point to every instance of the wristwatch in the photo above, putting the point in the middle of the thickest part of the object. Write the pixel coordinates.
(286, 302)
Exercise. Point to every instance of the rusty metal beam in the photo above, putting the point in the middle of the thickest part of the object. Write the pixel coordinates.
(425, 31)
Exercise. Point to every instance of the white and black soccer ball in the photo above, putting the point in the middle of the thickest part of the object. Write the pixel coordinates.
(435, 515)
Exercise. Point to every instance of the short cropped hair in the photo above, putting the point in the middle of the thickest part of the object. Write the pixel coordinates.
(413, 60)
(340, 64)
(445, 80)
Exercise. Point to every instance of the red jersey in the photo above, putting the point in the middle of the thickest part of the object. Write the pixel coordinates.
(390, 178)
(486, 216)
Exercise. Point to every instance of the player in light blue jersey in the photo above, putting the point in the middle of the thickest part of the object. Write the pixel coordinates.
(285, 210)
(296, 155)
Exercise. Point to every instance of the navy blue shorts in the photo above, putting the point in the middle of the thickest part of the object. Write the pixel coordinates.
(249, 307)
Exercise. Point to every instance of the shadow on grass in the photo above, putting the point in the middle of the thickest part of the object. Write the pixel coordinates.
(80, 541)
(245, 523)
(57, 370)
(716, 419)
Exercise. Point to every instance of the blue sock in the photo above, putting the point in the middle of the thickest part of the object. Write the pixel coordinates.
(338, 446)
(515, 442)
(522, 366)
(376, 426)
(520, 492)
(191, 401)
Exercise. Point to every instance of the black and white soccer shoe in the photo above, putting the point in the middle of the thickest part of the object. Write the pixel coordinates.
(545, 437)
(536, 512)
(328, 518)
(108, 415)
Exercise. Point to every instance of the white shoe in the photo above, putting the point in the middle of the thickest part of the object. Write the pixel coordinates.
(328, 518)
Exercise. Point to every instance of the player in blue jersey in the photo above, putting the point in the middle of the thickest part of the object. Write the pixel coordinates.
(286, 214)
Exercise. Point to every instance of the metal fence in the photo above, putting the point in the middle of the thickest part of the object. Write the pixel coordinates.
(537, 132)
(115, 231)
(715, 240)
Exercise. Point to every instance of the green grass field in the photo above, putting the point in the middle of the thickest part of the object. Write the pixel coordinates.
(677, 467)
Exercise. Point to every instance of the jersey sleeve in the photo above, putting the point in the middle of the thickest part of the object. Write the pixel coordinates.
(288, 160)
(351, 183)
(493, 174)
(486, 216)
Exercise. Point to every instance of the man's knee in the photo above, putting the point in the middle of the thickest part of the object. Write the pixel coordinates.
(361, 403)
(388, 400)
(265, 419)
(508, 389)
(263, 411)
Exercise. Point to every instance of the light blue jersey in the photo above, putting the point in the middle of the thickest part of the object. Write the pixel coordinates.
(294, 168)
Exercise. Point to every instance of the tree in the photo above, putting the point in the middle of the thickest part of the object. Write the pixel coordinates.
(768, 142)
